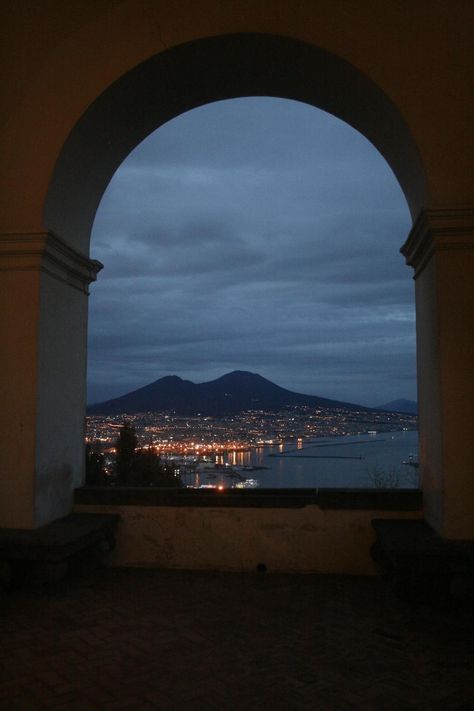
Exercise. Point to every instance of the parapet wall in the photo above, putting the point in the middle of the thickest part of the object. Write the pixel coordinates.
(304, 538)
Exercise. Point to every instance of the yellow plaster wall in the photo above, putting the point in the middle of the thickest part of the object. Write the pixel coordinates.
(455, 276)
(58, 57)
(302, 540)
(19, 306)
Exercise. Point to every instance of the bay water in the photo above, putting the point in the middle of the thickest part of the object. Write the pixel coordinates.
(352, 461)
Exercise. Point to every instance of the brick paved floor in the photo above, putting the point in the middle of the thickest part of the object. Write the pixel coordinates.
(141, 639)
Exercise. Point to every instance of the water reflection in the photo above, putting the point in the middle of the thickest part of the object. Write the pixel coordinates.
(349, 461)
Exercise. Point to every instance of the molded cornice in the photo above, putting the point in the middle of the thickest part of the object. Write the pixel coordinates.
(438, 230)
(43, 251)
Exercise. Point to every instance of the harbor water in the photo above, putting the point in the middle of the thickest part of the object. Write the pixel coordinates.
(366, 460)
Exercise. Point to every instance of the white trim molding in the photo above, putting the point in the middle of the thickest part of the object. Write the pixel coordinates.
(43, 251)
(438, 230)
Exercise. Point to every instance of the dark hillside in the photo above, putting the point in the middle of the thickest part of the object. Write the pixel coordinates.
(232, 393)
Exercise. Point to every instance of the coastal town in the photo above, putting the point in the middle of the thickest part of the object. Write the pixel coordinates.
(172, 434)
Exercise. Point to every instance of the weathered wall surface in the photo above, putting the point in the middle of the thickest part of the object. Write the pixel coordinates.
(303, 540)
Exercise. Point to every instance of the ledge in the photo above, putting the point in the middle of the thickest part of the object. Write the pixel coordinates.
(356, 499)
(58, 540)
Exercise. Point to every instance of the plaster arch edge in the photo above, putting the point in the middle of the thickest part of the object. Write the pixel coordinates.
(211, 69)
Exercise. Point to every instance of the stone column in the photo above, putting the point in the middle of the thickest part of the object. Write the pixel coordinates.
(440, 247)
(43, 351)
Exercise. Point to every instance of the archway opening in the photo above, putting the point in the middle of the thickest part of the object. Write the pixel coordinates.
(258, 235)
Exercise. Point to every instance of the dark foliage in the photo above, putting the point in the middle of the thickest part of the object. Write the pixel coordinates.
(95, 472)
(140, 467)
(125, 446)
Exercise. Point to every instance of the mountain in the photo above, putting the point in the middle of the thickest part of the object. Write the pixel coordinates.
(410, 407)
(227, 395)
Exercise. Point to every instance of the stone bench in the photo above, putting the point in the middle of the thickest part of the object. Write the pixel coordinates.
(46, 554)
(420, 563)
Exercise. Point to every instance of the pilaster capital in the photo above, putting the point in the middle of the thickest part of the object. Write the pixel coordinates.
(45, 252)
(438, 230)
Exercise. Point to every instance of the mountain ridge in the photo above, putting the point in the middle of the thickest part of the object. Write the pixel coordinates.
(230, 393)
(409, 407)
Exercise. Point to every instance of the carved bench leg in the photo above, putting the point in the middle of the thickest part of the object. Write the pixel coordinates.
(6, 574)
(417, 586)
(35, 573)
(91, 558)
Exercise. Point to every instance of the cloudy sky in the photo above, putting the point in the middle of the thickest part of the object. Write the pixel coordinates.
(254, 234)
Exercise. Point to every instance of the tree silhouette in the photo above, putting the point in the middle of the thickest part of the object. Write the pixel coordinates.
(125, 446)
(140, 466)
(95, 473)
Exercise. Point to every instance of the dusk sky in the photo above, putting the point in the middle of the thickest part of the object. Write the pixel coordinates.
(254, 234)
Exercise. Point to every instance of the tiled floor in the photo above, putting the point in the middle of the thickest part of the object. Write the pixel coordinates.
(141, 639)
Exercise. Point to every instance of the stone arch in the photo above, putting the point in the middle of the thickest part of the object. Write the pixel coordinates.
(207, 70)
(403, 83)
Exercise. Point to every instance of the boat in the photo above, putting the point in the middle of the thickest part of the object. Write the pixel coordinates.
(247, 484)
(411, 461)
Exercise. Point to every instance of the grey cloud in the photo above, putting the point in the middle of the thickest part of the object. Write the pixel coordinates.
(256, 234)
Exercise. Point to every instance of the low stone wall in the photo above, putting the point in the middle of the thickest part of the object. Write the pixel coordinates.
(303, 538)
